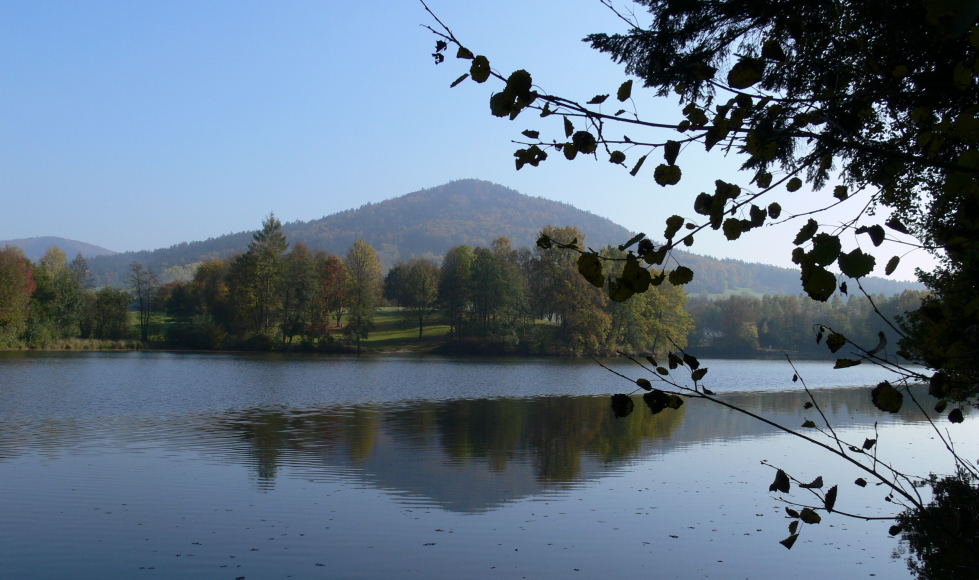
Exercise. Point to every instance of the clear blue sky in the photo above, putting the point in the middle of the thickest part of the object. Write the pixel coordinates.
(137, 125)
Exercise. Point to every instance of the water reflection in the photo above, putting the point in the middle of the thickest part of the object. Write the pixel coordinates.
(465, 455)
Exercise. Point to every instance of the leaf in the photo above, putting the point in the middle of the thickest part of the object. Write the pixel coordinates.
(881, 343)
(781, 482)
(622, 405)
(794, 526)
(844, 363)
(651, 360)
(639, 163)
(794, 184)
(632, 241)
(745, 73)
(584, 141)
(818, 282)
(763, 180)
(625, 91)
(962, 77)
(835, 341)
(670, 152)
(673, 225)
(856, 264)
(891, 265)
(807, 405)
(830, 500)
(464, 53)
(861, 482)
(774, 210)
(681, 276)
(570, 151)
(597, 100)
(887, 398)
(691, 361)
(732, 228)
(480, 69)
(790, 541)
(896, 225)
(807, 232)
(617, 157)
(868, 444)
(809, 424)
(590, 267)
(955, 416)
(544, 242)
(459, 80)
(531, 134)
(795, 378)
(940, 406)
(568, 127)
(814, 484)
(698, 374)
(674, 360)
(667, 175)
(772, 50)
(675, 402)
(843, 288)
(876, 233)
(791, 513)
(656, 400)
(895, 530)
(644, 384)
(826, 249)
(840, 193)
(809, 516)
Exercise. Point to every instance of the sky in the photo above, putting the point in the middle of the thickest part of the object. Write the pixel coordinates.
(139, 125)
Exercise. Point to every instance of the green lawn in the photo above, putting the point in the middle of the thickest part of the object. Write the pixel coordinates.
(393, 332)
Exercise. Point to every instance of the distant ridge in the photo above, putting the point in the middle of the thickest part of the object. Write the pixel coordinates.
(34, 248)
(430, 221)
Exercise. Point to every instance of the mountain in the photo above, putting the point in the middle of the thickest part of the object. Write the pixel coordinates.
(430, 221)
(34, 248)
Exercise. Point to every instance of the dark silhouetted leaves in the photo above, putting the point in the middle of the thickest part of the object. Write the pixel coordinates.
(868, 444)
(531, 134)
(763, 180)
(673, 225)
(568, 127)
(814, 484)
(681, 275)
(617, 157)
(840, 193)
(791, 513)
(807, 232)
(861, 482)
(656, 400)
(590, 267)
(625, 91)
(809, 516)
(830, 500)
(691, 361)
(464, 53)
(875, 232)
(544, 242)
(667, 174)
(639, 163)
(818, 282)
(894, 530)
(774, 210)
(644, 384)
(772, 50)
(459, 80)
(670, 152)
(856, 264)
(896, 225)
(597, 100)
(808, 424)
(675, 402)
(781, 482)
(825, 249)
(891, 265)
(887, 398)
(845, 363)
(698, 374)
(794, 184)
(955, 416)
(622, 405)
(794, 526)
(790, 541)
(940, 406)
(745, 73)
(636, 238)
(480, 69)
(835, 341)
(807, 405)
(584, 142)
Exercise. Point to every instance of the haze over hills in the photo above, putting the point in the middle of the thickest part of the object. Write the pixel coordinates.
(431, 221)
(34, 248)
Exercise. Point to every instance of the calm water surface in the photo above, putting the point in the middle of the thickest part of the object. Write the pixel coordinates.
(156, 465)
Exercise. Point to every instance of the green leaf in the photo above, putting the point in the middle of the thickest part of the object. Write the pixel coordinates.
(745, 73)
(632, 240)
(814, 484)
(732, 228)
(568, 127)
(825, 249)
(781, 483)
(590, 267)
(891, 265)
(464, 53)
(794, 184)
(940, 406)
(459, 80)
(544, 242)
(639, 163)
(698, 374)
(635, 277)
(480, 69)
(809, 516)
(673, 225)
(840, 193)
(808, 424)
(617, 157)
(955, 416)
(618, 291)
(845, 363)
(876, 233)
(656, 400)
(763, 180)
(790, 541)
(597, 100)
(807, 232)
(570, 151)
(622, 405)
(835, 341)
(625, 91)
(818, 282)
(670, 152)
(887, 398)
(681, 276)
(644, 384)
(584, 141)
(675, 402)
(856, 264)
(667, 175)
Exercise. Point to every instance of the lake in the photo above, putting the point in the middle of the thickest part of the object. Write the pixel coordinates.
(168, 465)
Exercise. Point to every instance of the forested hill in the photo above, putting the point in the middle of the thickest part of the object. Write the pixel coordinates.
(431, 221)
(34, 248)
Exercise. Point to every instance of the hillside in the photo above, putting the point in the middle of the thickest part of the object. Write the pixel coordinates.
(430, 221)
(34, 248)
